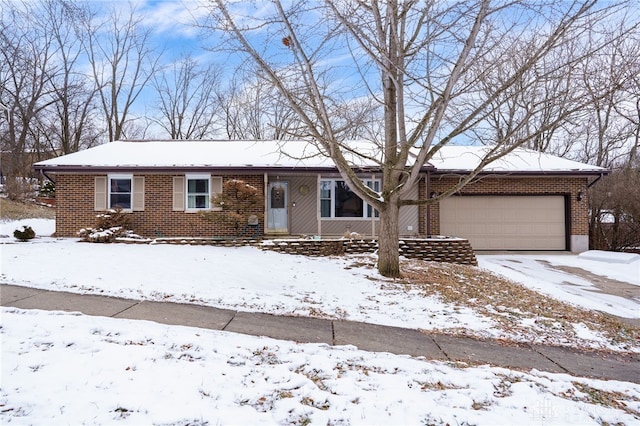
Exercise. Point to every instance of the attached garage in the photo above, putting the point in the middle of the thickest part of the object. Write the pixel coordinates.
(506, 222)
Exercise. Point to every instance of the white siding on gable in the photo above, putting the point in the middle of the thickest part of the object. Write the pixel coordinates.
(100, 193)
(178, 193)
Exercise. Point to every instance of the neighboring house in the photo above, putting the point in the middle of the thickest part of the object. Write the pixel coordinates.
(525, 201)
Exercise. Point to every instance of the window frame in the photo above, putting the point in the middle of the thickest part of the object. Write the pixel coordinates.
(197, 176)
(367, 208)
(120, 176)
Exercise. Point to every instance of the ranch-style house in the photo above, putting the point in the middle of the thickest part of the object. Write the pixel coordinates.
(524, 201)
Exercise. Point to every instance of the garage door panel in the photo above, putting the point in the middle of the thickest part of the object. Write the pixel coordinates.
(506, 222)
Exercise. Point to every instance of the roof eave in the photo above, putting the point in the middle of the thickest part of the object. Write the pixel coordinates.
(441, 172)
(53, 169)
(191, 169)
(186, 169)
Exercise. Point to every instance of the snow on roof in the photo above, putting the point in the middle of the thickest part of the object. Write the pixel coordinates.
(181, 154)
(465, 158)
(279, 154)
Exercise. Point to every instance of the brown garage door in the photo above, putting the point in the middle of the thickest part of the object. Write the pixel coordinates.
(506, 222)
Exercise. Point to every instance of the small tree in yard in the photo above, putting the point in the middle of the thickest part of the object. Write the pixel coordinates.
(235, 205)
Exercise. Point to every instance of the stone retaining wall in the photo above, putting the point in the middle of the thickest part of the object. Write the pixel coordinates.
(453, 250)
(222, 242)
(439, 250)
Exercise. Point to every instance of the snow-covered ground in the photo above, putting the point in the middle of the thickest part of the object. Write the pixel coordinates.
(73, 369)
(67, 368)
(250, 279)
(540, 272)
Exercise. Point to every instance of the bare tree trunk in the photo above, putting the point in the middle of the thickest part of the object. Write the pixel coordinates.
(388, 242)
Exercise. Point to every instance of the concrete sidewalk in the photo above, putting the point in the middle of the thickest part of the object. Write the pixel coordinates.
(369, 337)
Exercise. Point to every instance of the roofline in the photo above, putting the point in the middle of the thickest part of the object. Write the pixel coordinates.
(185, 169)
(442, 172)
(327, 169)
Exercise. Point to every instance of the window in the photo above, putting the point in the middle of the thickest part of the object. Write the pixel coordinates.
(337, 200)
(375, 185)
(120, 191)
(198, 192)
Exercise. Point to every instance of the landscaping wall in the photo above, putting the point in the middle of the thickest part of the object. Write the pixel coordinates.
(452, 250)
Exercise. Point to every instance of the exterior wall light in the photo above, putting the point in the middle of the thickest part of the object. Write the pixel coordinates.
(579, 196)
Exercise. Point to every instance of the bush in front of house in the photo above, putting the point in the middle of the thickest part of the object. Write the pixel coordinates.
(48, 189)
(237, 205)
(109, 225)
(24, 233)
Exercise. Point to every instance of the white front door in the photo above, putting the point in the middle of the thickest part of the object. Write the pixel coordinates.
(277, 202)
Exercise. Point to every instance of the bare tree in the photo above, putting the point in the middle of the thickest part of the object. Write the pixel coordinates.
(431, 81)
(69, 123)
(616, 204)
(605, 130)
(252, 108)
(605, 133)
(27, 53)
(629, 107)
(187, 101)
(122, 63)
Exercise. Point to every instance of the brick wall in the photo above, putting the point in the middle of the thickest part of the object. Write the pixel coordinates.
(75, 202)
(75, 198)
(566, 186)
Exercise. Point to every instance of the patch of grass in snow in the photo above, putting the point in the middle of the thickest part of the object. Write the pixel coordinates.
(17, 210)
(435, 386)
(265, 356)
(320, 405)
(591, 395)
(517, 310)
(503, 388)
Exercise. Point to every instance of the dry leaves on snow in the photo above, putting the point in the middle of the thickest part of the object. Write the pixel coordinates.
(517, 310)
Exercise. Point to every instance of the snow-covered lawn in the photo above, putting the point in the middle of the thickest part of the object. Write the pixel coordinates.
(250, 279)
(66, 368)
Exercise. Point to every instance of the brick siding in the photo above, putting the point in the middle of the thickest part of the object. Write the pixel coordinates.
(75, 208)
(75, 203)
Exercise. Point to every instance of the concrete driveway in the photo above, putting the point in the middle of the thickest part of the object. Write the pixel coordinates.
(609, 283)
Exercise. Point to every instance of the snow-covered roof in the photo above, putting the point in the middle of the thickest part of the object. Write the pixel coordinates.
(465, 158)
(297, 155)
(188, 154)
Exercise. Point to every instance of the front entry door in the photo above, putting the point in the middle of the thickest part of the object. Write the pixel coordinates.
(277, 201)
